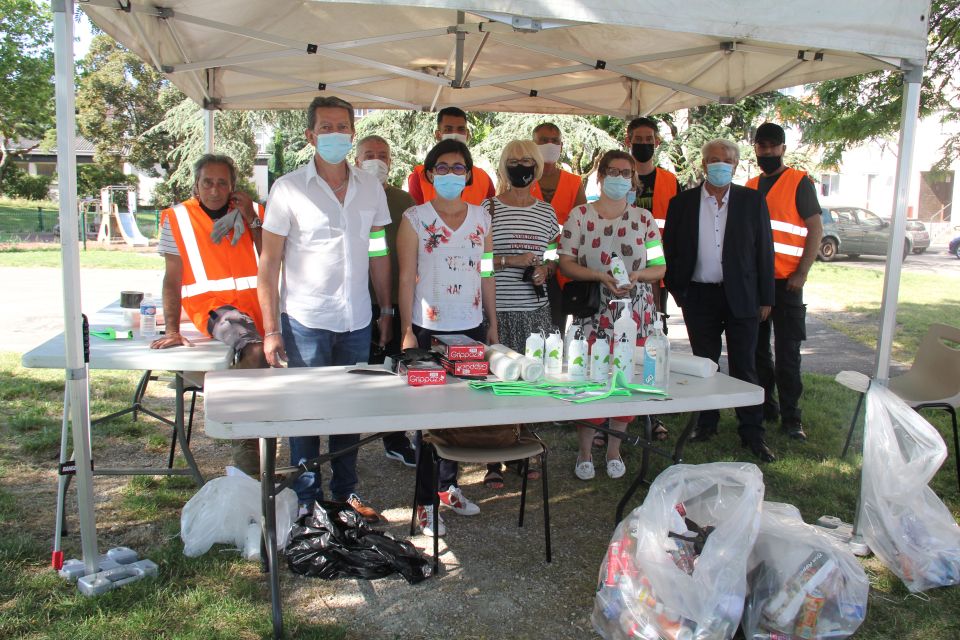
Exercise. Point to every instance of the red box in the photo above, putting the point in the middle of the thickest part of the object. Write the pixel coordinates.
(457, 346)
(422, 374)
(466, 368)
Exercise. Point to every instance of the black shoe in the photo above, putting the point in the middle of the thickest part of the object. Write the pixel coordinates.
(794, 429)
(406, 456)
(703, 434)
(760, 449)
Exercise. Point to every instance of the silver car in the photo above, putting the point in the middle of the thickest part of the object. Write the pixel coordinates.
(917, 231)
(854, 231)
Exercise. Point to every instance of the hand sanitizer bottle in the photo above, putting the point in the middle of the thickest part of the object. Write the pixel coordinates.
(600, 357)
(535, 346)
(578, 356)
(553, 353)
(656, 357)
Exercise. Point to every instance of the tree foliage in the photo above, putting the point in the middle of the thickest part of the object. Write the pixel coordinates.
(26, 70)
(842, 113)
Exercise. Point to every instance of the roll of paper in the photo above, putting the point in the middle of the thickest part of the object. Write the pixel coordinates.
(503, 366)
(692, 365)
(530, 368)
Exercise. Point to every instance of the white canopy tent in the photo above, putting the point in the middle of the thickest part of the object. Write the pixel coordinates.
(616, 57)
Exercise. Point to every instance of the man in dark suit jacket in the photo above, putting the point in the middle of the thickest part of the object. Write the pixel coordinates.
(719, 252)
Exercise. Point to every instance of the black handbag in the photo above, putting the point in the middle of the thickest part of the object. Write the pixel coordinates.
(581, 298)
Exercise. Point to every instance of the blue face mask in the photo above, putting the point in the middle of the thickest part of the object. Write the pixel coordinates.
(449, 186)
(719, 174)
(616, 187)
(334, 147)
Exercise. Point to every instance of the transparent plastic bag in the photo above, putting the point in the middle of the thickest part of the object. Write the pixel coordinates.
(803, 584)
(906, 525)
(656, 582)
(226, 510)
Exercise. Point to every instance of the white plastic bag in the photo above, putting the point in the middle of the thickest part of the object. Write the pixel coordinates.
(803, 584)
(644, 593)
(901, 518)
(227, 510)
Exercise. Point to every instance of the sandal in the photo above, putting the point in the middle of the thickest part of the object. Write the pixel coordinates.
(599, 439)
(659, 431)
(493, 479)
(533, 470)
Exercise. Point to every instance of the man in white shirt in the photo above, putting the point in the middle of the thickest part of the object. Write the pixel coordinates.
(719, 253)
(324, 240)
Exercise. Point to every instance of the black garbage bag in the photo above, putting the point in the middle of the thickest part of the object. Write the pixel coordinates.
(335, 542)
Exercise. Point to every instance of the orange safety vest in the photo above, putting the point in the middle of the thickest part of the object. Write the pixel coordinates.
(474, 193)
(568, 186)
(662, 194)
(789, 230)
(214, 275)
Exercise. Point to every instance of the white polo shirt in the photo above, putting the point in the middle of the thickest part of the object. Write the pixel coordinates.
(325, 267)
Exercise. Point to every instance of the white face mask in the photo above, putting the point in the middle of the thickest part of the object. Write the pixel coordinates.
(459, 137)
(376, 167)
(550, 152)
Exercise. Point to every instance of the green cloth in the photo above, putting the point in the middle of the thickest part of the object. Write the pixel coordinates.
(398, 201)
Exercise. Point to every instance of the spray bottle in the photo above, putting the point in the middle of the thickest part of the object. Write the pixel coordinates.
(553, 353)
(656, 356)
(625, 336)
(577, 355)
(600, 357)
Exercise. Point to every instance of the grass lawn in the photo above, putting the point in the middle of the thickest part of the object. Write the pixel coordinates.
(92, 258)
(856, 293)
(220, 596)
(19, 219)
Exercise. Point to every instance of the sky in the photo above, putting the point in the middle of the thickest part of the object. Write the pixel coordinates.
(83, 35)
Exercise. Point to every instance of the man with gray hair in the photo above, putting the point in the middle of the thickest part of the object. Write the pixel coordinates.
(210, 244)
(719, 252)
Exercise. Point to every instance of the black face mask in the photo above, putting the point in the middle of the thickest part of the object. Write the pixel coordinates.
(215, 214)
(769, 164)
(642, 152)
(521, 176)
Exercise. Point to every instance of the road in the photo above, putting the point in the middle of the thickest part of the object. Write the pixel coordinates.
(935, 261)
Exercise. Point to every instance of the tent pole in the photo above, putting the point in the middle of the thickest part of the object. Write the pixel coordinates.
(76, 371)
(208, 134)
(891, 283)
(461, 38)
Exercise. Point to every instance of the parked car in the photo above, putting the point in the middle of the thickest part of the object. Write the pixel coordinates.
(954, 247)
(919, 236)
(854, 231)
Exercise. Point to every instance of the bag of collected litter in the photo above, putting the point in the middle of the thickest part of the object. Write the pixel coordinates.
(676, 567)
(227, 510)
(803, 584)
(901, 518)
(335, 542)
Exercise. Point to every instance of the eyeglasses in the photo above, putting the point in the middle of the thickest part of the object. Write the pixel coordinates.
(444, 169)
(612, 172)
(525, 161)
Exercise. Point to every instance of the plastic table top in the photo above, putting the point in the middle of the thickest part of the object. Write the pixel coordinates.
(206, 354)
(328, 400)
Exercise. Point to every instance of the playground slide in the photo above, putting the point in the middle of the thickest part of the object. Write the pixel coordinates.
(128, 228)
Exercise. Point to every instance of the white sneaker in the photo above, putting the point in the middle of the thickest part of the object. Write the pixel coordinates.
(616, 468)
(584, 470)
(455, 499)
(425, 521)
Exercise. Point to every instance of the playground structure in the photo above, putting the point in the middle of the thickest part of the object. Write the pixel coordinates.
(116, 225)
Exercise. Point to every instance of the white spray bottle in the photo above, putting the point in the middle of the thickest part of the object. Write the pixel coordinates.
(656, 356)
(553, 353)
(600, 357)
(625, 336)
(578, 356)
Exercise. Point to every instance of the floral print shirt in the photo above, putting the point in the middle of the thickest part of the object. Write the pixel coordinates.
(447, 293)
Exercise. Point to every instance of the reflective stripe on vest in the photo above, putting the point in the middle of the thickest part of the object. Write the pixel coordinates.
(202, 284)
(789, 230)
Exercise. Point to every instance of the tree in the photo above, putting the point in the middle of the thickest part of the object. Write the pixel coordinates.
(26, 69)
(839, 114)
(120, 99)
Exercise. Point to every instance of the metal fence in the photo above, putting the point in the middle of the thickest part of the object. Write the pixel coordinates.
(43, 224)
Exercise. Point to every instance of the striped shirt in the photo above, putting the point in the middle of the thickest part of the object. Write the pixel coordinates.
(519, 230)
(167, 245)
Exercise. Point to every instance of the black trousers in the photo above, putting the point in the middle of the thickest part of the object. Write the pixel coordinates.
(707, 317)
(780, 368)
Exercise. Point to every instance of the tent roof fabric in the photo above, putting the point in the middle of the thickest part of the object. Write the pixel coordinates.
(616, 57)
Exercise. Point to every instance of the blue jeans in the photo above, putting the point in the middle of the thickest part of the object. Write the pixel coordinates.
(307, 347)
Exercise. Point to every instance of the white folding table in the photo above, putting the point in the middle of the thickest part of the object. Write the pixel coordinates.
(269, 404)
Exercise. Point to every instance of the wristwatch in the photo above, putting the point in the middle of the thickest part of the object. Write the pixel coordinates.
(256, 223)
(388, 311)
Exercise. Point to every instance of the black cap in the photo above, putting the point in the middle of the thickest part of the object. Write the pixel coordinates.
(769, 132)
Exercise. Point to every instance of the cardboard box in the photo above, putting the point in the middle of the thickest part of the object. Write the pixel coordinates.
(458, 347)
(422, 374)
(466, 368)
